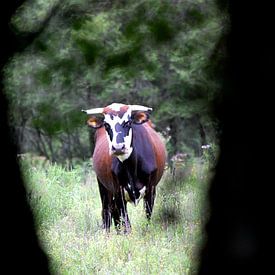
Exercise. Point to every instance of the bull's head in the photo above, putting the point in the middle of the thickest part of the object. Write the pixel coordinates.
(118, 119)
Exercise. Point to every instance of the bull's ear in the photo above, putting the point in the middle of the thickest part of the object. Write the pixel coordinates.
(95, 122)
(140, 117)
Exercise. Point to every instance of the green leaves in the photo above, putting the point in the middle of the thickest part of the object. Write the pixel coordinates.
(90, 50)
(90, 54)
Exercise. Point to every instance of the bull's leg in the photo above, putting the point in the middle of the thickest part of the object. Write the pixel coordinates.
(149, 200)
(107, 201)
(120, 215)
(150, 194)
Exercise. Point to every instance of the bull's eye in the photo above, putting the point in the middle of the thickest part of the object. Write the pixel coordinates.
(109, 130)
(140, 117)
(127, 123)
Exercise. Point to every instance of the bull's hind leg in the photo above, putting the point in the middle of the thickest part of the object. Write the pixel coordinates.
(120, 215)
(150, 194)
(107, 206)
(149, 200)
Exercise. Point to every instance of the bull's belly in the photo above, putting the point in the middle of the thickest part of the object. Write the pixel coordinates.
(141, 195)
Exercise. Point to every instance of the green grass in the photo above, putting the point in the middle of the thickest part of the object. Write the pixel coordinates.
(67, 211)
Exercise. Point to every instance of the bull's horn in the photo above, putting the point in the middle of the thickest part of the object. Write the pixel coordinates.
(140, 108)
(93, 111)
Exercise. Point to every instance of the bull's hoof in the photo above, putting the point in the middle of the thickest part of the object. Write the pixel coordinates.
(105, 228)
(124, 230)
(127, 231)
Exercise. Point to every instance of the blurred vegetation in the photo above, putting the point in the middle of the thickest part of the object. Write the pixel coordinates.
(84, 54)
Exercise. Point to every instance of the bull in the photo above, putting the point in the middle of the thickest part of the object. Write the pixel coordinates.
(129, 159)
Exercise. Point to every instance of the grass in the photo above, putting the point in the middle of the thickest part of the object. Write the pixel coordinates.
(67, 211)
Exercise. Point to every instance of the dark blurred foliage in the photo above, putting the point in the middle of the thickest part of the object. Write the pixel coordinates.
(240, 229)
(20, 248)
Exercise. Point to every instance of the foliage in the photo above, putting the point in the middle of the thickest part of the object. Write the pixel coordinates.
(163, 54)
(67, 209)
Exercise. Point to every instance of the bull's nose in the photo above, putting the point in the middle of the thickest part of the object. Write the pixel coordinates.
(118, 149)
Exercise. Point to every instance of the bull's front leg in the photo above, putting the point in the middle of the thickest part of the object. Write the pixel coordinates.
(121, 218)
(107, 206)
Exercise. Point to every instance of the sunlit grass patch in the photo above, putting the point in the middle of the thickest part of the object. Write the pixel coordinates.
(67, 210)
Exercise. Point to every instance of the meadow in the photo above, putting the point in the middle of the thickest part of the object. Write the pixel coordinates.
(67, 210)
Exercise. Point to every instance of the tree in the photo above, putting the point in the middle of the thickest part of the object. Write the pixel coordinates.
(162, 54)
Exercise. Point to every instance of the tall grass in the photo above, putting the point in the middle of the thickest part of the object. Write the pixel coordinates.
(67, 210)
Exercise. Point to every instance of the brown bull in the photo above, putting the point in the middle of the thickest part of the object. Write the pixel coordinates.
(129, 160)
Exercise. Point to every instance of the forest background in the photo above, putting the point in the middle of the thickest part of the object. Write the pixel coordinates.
(84, 54)
(251, 49)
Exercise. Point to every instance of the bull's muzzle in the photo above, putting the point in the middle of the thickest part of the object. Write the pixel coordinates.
(119, 150)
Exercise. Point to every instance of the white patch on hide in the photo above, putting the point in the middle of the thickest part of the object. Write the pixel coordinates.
(112, 121)
(116, 106)
(141, 192)
(126, 195)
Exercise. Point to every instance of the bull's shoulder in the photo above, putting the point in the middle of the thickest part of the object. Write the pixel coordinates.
(102, 160)
(100, 138)
(101, 156)
(154, 137)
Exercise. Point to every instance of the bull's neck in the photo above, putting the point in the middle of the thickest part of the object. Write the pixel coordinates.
(130, 166)
(123, 158)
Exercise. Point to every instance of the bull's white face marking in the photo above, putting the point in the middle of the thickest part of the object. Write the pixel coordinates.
(119, 132)
(125, 155)
(116, 106)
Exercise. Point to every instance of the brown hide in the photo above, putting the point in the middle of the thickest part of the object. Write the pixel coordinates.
(159, 149)
(102, 160)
